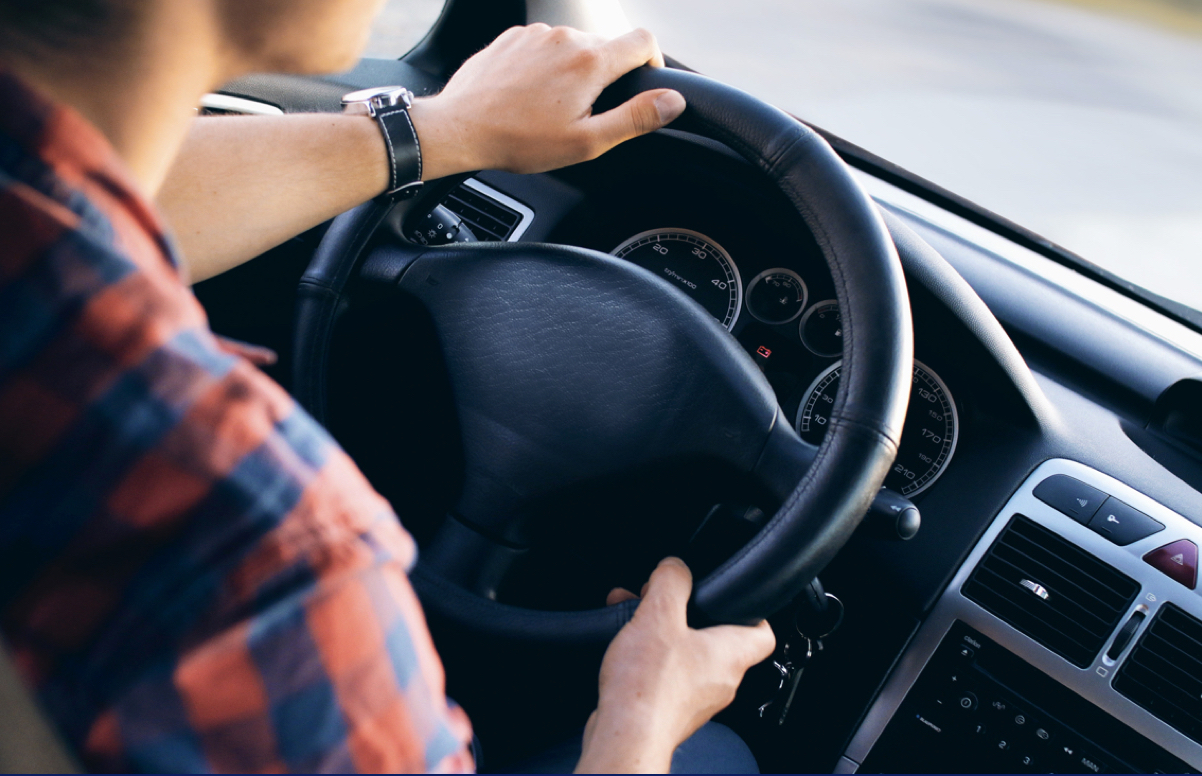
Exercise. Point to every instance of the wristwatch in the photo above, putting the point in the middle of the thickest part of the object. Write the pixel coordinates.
(389, 106)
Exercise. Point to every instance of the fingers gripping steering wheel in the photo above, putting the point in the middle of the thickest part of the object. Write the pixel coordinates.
(568, 365)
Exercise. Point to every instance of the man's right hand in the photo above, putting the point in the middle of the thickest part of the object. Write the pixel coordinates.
(662, 680)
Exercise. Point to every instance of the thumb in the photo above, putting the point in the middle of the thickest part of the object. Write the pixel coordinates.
(639, 115)
(668, 591)
(745, 645)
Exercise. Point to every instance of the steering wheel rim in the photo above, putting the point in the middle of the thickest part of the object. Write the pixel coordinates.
(820, 509)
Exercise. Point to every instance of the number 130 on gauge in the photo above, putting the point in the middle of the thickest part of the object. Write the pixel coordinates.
(928, 438)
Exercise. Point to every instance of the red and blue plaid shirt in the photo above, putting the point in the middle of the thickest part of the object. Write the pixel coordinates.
(194, 577)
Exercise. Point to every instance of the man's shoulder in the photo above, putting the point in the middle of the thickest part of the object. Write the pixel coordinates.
(34, 223)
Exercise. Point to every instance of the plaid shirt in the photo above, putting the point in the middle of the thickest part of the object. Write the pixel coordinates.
(194, 577)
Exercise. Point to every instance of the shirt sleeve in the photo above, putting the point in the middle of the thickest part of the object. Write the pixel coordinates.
(312, 653)
(197, 577)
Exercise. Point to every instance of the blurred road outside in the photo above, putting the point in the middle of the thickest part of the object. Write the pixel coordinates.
(1081, 120)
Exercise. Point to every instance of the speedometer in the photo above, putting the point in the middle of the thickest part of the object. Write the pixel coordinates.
(928, 437)
(693, 263)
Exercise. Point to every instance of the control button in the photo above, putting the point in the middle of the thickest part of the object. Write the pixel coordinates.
(1020, 719)
(1042, 734)
(967, 652)
(997, 706)
(980, 729)
(1122, 524)
(968, 701)
(1003, 745)
(1027, 761)
(1090, 764)
(1178, 560)
(1124, 638)
(1072, 497)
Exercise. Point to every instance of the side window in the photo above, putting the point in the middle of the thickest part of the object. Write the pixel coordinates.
(400, 26)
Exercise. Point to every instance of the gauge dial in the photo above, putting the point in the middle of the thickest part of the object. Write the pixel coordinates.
(928, 437)
(776, 296)
(822, 329)
(693, 263)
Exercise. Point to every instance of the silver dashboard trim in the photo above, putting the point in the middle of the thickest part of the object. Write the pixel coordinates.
(1091, 683)
(525, 212)
(232, 104)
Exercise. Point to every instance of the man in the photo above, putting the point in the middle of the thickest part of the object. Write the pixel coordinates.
(194, 576)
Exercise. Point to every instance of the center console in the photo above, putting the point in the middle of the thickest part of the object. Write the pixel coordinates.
(1070, 641)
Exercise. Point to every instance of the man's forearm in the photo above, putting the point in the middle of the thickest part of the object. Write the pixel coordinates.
(242, 185)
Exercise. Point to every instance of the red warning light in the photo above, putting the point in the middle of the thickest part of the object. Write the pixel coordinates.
(763, 351)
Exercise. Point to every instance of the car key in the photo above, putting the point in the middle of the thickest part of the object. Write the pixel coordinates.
(820, 614)
(791, 665)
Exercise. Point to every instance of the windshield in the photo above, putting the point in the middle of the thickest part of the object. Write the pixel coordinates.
(1078, 119)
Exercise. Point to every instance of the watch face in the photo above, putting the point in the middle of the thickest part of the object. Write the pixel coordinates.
(385, 96)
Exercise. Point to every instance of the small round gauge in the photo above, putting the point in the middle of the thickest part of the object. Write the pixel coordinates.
(822, 329)
(928, 437)
(693, 263)
(776, 296)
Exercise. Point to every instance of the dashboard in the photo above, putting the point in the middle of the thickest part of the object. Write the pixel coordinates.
(997, 678)
(1092, 586)
(1018, 380)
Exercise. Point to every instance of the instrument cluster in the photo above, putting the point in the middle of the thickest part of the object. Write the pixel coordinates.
(797, 342)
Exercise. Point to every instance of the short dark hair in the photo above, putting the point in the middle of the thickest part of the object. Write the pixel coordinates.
(29, 26)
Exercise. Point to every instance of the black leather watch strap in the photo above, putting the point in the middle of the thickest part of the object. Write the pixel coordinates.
(404, 151)
(389, 106)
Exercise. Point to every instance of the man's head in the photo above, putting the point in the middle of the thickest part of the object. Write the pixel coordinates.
(295, 36)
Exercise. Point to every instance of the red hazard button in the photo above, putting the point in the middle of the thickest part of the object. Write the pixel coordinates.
(1179, 560)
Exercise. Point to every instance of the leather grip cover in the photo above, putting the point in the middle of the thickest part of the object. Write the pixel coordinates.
(878, 347)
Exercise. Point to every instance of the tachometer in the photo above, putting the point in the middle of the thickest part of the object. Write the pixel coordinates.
(693, 263)
(928, 437)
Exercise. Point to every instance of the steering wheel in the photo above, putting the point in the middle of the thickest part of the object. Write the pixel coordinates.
(568, 365)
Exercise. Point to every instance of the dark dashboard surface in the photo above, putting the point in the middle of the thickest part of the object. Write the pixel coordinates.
(979, 322)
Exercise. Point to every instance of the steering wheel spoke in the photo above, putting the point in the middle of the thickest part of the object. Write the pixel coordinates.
(784, 462)
(464, 556)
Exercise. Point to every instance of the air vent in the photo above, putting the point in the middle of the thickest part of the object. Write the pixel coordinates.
(1051, 590)
(491, 215)
(1164, 671)
(229, 105)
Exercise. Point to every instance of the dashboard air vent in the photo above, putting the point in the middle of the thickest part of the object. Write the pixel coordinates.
(484, 212)
(1164, 671)
(1051, 590)
(228, 105)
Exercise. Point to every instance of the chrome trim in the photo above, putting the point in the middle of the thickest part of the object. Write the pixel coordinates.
(801, 327)
(526, 213)
(241, 105)
(1091, 683)
(805, 293)
(1036, 588)
(734, 268)
(951, 400)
